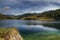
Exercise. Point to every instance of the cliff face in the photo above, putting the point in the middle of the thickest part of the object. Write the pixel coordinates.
(10, 34)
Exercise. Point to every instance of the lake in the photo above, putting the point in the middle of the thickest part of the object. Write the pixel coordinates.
(30, 25)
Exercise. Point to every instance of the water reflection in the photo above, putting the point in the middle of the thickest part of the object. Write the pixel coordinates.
(28, 24)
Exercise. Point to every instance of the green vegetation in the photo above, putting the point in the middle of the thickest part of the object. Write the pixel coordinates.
(47, 15)
(42, 37)
(4, 31)
(49, 37)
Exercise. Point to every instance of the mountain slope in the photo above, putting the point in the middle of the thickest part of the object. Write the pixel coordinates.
(47, 15)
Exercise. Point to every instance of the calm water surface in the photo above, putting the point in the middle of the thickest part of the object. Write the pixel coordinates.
(31, 25)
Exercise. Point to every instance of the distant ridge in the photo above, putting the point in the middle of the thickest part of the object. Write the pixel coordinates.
(47, 15)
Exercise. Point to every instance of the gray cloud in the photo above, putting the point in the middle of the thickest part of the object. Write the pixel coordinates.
(16, 7)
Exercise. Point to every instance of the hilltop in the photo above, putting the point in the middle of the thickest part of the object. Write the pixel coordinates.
(47, 15)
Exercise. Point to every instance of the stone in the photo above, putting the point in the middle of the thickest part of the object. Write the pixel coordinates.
(10, 34)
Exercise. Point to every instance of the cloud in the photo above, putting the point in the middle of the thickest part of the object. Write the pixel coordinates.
(32, 10)
(46, 0)
(4, 9)
(16, 7)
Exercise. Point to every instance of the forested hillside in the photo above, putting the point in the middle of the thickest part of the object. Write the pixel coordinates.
(47, 15)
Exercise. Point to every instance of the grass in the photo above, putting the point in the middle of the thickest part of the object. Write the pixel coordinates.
(49, 37)
(34, 36)
(42, 37)
(4, 31)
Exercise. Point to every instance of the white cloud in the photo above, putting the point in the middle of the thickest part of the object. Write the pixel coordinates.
(4, 9)
(20, 1)
(41, 9)
(35, 9)
(46, 0)
(13, 1)
(32, 10)
(51, 7)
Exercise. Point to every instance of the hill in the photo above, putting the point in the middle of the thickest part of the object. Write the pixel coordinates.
(47, 15)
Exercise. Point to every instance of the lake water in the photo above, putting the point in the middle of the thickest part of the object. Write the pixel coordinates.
(31, 25)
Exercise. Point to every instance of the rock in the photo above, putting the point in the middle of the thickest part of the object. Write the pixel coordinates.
(9, 34)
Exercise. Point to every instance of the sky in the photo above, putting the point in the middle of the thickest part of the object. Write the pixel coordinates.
(19, 7)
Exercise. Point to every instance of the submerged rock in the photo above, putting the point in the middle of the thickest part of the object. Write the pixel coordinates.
(9, 34)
